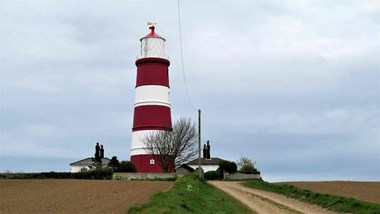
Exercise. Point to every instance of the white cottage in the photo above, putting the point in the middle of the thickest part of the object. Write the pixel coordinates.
(208, 163)
(89, 162)
(86, 163)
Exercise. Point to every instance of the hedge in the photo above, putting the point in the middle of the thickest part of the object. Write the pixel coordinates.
(97, 174)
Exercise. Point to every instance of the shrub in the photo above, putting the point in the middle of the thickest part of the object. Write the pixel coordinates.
(227, 166)
(101, 173)
(114, 164)
(247, 166)
(212, 175)
(249, 169)
(127, 166)
(98, 174)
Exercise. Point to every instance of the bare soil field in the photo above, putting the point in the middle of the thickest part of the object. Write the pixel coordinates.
(365, 191)
(75, 196)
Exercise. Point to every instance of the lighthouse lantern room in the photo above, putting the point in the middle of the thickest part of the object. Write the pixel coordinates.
(152, 104)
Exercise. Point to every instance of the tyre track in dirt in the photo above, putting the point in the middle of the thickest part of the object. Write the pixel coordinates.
(266, 202)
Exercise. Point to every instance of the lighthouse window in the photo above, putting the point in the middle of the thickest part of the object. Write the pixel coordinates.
(151, 161)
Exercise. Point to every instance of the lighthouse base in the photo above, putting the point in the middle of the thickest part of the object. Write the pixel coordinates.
(145, 163)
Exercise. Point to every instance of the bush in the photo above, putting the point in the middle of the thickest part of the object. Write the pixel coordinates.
(212, 175)
(101, 173)
(227, 166)
(42, 175)
(247, 166)
(114, 164)
(97, 174)
(127, 166)
(249, 169)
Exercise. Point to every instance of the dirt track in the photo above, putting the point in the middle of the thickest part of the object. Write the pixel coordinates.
(266, 202)
(75, 196)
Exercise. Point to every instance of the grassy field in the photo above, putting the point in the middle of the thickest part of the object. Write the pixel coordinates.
(331, 202)
(191, 195)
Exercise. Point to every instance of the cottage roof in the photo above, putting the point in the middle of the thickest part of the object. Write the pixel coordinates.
(185, 166)
(89, 162)
(204, 161)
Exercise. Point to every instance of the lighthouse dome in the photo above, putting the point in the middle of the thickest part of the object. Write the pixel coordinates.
(152, 45)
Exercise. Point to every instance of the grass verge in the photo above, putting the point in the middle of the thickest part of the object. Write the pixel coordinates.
(331, 202)
(191, 195)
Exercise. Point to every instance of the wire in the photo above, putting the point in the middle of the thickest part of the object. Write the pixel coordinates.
(182, 61)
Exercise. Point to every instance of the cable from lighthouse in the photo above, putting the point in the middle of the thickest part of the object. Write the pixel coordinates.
(187, 93)
(182, 61)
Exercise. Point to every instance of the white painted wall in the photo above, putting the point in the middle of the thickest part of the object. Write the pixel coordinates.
(206, 168)
(137, 147)
(77, 168)
(152, 95)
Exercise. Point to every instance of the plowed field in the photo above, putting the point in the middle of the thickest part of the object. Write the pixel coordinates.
(365, 191)
(75, 196)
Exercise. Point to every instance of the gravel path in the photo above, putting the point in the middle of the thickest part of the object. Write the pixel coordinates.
(266, 202)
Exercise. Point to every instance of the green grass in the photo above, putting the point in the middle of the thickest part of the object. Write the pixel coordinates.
(331, 202)
(191, 195)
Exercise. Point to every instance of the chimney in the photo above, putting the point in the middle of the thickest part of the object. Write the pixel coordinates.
(204, 151)
(97, 148)
(101, 151)
(208, 150)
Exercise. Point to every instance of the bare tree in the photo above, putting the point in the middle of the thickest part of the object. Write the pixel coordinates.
(247, 166)
(243, 161)
(172, 148)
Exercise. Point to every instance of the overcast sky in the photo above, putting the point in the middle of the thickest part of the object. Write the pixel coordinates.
(294, 85)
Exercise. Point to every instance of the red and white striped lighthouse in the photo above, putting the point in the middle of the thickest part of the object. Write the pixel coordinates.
(152, 102)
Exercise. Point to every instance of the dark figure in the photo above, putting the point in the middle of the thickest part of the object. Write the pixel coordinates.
(97, 150)
(208, 150)
(101, 151)
(204, 151)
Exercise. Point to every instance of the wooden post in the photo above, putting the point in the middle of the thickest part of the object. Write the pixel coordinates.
(199, 143)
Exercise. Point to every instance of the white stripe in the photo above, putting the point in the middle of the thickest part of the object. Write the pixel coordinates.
(138, 146)
(152, 103)
(139, 151)
(152, 95)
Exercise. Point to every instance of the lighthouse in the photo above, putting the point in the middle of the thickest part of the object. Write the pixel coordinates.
(152, 99)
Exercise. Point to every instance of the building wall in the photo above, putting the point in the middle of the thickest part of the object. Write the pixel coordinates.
(242, 176)
(77, 168)
(181, 170)
(206, 168)
(152, 103)
(143, 176)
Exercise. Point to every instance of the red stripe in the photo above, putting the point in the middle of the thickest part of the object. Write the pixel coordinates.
(152, 71)
(152, 60)
(152, 117)
(142, 163)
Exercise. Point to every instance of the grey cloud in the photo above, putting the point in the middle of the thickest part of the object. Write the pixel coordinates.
(294, 85)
